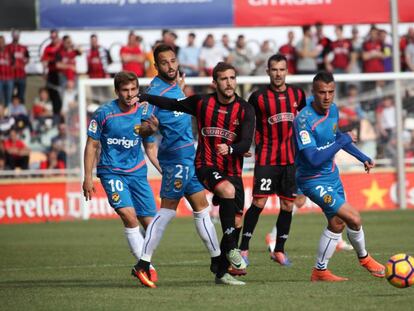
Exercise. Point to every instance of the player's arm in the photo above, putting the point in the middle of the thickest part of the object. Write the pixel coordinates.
(246, 136)
(91, 149)
(306, 143)
(186, 105)
(354, 151)
(151, 150)
(149, 126)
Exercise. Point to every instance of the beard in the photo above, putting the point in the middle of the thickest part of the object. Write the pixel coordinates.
(224, 94)
(166, 77)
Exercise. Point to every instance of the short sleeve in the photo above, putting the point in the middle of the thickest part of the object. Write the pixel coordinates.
(96, 124)
(303, 133)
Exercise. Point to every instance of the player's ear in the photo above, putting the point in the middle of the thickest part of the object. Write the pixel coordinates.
(214, 83)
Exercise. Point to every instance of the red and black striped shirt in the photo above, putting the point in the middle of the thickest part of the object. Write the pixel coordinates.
(275, 112)
(231, 124)
(6, 69)
(20, 57)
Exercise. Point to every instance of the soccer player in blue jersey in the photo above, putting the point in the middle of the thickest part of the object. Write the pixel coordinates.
(117, 129)
(317, 141)
(176, 162)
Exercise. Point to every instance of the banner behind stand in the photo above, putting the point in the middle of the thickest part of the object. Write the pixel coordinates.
(60, 201)
(156, 14)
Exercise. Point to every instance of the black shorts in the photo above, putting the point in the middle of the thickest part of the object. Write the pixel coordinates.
(210, 177)
(275, 179)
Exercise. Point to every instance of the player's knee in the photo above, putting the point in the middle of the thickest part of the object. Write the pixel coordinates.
(300, 200)
(355, 222)
(286, 205)
(225, 190)
(259, 202)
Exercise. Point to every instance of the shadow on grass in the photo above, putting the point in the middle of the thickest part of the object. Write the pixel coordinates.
(30, 284)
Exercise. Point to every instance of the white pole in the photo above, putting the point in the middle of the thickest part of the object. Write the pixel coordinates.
(398, 106)
(82, 140)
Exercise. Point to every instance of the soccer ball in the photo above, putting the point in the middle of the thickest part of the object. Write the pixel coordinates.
(399, 270)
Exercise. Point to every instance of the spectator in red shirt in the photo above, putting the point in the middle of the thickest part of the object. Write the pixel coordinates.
(343, 56)
(20, 57)
(372, 54)
(51, 72)
(6, 74)
(52, 161)
(289, 51)
(17, 153)
(404, 41)
(132, 57)
(97, 59)
(66, 61)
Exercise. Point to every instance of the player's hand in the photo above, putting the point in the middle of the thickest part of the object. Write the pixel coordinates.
(181, 80)
(247, 154)
(368, 166)
(222, 149)
(88, 189)
(153, 123)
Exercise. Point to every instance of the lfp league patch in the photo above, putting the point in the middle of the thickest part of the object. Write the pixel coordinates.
(93, 126)
(305, 137)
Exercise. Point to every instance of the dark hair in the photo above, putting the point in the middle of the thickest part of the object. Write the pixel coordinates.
(220, 67)
(162, 48)
(124, 77)
(94, 35)
(276, 58)
(323, 76)
(340, 27)
(306, 28)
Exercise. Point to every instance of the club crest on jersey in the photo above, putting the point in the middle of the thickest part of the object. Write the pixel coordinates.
(335, 126)
(178, 184)
(295, 105)
(115, 197)
(304, 137)
(327, 198)
(93, 126)
(280, 117)
(218, 132)
(137, 128)
(236, 122)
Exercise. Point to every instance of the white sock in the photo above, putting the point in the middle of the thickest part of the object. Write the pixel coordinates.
(207, 232)
(135, 241)
(327, 246)
(142, 230)
(357, 239)
(273, 233)
(155, 230)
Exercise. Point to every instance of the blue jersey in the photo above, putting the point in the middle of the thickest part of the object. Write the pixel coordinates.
(118, 133)
(175, 127)
(315, 130)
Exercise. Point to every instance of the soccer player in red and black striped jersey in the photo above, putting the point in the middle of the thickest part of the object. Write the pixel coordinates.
(276, 105)
(225, 132)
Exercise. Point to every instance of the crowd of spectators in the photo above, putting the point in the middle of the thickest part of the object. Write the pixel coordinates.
(24, 124)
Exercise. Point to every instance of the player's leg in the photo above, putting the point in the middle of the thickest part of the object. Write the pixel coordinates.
(204, 226)
(250, 221)
(286, 190)
(326, 248)
(143, 199)
(120, 198)
(263, 187)
(327, 195)
(225, 191)
(356, 236)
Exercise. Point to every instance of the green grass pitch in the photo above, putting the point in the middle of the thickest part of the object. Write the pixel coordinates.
(86, 266)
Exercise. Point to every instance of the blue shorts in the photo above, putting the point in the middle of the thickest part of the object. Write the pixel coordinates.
(129, 191)
(329, 195)
(179, 180)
